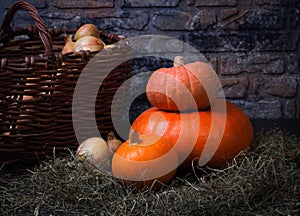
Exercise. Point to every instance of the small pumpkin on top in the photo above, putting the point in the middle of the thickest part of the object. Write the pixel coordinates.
(184, 87)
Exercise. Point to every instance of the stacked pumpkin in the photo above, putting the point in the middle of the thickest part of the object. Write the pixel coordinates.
(187, 125)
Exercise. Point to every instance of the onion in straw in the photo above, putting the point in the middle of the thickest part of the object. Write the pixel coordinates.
(94, 150)
(112, 142)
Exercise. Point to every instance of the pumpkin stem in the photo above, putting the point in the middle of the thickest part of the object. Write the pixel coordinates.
(178, 60)
(134, 138)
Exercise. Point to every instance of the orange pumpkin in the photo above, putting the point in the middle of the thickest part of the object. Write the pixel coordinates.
(191, 133)
(145, 161)
(187, 87)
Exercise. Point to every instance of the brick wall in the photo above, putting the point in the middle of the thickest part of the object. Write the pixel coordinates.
(252, 44)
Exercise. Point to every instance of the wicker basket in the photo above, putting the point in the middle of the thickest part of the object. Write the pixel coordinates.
(37, 84)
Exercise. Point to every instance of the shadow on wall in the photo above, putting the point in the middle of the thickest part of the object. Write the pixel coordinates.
(252, 45)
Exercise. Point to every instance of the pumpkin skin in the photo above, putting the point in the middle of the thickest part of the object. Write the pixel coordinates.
(184, 87)
(143, 164)
(238, 133)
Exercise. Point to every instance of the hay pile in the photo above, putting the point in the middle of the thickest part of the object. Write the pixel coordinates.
(265, 182)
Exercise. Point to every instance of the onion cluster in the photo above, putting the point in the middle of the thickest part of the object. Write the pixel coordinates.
(87, 37)
(97, 151)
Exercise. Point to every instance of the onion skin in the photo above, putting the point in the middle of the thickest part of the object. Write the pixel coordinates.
(87, 30)
(94, 150)
(69, 46)
(90, 43)
(112, 142)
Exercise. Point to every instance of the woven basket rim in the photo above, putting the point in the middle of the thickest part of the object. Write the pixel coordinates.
(27, 134)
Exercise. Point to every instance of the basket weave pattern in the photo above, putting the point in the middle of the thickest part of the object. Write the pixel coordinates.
(37, 85)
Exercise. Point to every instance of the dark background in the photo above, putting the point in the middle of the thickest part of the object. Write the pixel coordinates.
(253, 45)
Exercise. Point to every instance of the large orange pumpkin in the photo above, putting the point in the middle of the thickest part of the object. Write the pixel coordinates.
(183, 87)
(191, 133)
(145, 161)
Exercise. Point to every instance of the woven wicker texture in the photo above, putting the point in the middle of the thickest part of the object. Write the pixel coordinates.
(37, 85)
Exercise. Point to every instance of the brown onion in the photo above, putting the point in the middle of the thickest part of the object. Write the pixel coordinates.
(112, 142)
(94, 150)
(87, 30)
(89, 43)
(69, 45)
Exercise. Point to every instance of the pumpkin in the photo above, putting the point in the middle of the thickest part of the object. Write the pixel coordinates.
(186, 87)
(145, 161)
(191, 132)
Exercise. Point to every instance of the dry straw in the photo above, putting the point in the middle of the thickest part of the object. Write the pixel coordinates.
(265, 182)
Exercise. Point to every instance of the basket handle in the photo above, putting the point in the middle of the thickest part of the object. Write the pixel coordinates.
(38, 21)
